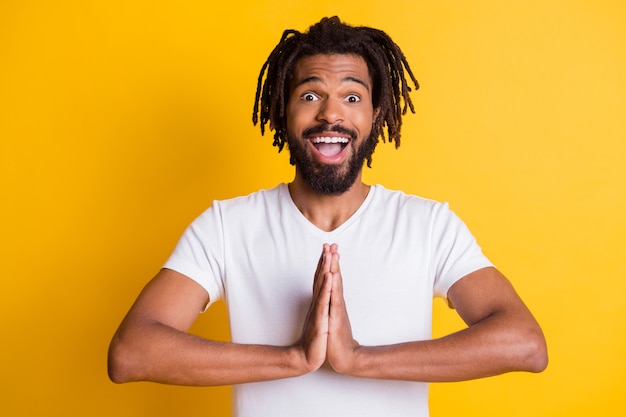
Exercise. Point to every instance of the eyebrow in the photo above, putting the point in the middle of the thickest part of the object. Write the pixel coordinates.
(314, 79)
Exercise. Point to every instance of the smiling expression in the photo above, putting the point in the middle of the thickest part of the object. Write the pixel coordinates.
(329, 120)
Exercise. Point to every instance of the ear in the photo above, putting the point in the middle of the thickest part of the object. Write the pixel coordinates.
(376, 124)
(376, 113)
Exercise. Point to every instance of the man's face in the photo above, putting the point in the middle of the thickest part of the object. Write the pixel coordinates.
(329, 120)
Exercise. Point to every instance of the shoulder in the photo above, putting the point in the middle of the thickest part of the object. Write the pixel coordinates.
(260, 197)
(403, 202)
(256, 202)
(408, 210)
(245, 212)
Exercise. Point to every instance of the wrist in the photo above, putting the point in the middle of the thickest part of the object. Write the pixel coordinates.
(297, 362)
(349, 363)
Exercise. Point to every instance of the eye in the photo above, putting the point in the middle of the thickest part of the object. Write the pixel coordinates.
(353, 98)
(309, 97)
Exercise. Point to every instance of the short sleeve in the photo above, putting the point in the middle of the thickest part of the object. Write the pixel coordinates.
(455, 250)
(199, 253)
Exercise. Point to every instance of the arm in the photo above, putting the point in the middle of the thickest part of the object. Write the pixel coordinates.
(501, 336)
(152, 343)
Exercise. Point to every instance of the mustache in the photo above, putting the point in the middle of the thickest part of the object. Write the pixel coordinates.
(329, 128)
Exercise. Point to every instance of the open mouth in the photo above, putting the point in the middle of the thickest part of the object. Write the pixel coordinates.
(330, 145)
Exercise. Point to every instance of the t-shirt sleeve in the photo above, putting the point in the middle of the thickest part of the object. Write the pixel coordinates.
(456, 252)
(199, 254)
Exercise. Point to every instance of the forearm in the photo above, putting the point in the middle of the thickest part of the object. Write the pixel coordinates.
(157, 353)
(488, 348)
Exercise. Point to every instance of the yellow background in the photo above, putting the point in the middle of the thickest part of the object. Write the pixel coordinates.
(120, 121)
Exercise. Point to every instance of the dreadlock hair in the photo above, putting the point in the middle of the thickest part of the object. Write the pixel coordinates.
(385, 61)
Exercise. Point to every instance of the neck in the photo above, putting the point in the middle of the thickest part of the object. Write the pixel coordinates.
(327, 212)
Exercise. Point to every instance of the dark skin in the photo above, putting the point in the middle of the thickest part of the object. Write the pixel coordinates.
(152, 343)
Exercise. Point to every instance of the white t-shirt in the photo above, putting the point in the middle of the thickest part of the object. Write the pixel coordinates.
(260, 253)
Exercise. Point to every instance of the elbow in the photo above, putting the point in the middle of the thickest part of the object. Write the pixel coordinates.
(539, 361)
(534, 356)
(119, 364)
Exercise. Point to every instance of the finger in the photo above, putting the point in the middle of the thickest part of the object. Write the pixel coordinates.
(314, 339)
(337, 297)
(334, 263)
(325, 259)
(323, 267)
(324, 299)
(320, 310)
(320, 262)
(320, 302)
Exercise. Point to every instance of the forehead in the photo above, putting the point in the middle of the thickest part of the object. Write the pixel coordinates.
(344, 66)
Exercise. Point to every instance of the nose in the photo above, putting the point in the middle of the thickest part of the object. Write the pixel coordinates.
(330, 112)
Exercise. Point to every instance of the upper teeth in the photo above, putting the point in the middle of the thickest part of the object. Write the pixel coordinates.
(333, 139)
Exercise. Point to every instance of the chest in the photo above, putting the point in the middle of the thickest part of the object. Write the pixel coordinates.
(386, 269)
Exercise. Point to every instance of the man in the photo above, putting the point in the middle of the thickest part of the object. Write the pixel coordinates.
(358, 342)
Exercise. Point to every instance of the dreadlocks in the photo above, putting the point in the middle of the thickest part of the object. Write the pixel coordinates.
(385, 61)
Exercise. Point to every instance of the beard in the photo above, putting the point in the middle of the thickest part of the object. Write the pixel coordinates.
(329, 179)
